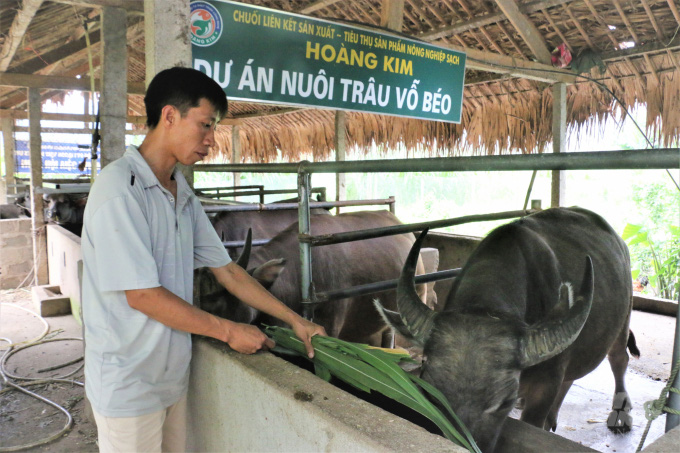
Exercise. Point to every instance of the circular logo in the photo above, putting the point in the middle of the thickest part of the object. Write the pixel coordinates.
(206, 24)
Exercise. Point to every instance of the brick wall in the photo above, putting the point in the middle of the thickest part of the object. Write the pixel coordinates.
(16, 253)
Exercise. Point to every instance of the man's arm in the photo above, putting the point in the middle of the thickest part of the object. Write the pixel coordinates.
(239, 283)
(169, 309)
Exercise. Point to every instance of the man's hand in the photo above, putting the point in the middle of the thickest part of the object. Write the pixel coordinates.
(305, 330)
(247, 339)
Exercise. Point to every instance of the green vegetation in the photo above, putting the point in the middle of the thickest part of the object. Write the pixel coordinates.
(374, 369)
(658, 260)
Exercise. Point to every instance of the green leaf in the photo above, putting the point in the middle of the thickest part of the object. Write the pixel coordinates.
(640, 238)
(322, 371)
(630, 230)
(372, 369)
(635, 273)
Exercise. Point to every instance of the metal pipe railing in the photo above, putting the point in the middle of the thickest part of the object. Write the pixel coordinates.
(377, 287)
(312, 205)
(261, 193)
(663, 158)
(232, 188)
(350, 236)
(231, 244)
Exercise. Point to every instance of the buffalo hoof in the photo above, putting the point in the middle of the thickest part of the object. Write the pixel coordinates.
(620, 420)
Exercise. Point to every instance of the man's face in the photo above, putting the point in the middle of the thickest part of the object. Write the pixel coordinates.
(194, 134)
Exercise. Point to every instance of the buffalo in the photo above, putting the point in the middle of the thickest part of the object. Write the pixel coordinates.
(65, 210)
(234, 225)
(539, 304)
(277, 266)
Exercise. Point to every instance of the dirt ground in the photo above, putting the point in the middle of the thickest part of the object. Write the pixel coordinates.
(26, 420)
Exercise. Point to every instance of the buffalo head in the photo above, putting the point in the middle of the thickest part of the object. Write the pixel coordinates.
(216, 300)
(475, 358)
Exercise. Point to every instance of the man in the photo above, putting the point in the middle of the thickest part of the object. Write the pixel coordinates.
(144, 233)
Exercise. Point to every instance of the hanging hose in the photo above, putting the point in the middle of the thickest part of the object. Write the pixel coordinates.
(656, 407)
(8, 385)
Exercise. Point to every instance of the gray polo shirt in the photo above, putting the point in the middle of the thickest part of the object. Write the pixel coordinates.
(136, 236)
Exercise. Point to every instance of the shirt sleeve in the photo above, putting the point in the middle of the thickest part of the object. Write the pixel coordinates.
(208, 248)
(121, 237)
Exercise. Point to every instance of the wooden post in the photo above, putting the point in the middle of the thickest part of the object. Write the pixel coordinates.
(236, 152)
(559, 129)
(8, 144)
(113, 105)
(340, 154)
(392, 14)
(37, 214)
(168, 44)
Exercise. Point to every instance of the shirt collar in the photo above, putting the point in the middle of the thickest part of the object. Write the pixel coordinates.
(147, 177)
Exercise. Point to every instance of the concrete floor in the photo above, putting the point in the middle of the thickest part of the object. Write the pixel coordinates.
(582, 418)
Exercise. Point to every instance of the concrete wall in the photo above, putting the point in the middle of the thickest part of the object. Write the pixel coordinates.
(16, 253)
(263, 403)
(63, 255)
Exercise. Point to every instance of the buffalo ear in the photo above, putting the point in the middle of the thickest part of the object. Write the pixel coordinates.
(268, 272)
(394, 321)
(546, 339)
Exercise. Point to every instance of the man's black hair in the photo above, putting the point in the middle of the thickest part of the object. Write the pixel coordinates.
(183, 88)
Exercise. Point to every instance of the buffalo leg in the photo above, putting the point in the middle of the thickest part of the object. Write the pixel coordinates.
(619, 419)
(551, 421)
(543, 388)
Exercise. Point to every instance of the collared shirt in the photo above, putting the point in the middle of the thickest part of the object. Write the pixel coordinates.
(137, 236)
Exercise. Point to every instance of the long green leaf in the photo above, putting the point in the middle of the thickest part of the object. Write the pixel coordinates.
(368, 369)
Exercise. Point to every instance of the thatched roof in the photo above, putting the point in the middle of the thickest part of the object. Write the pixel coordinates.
(636, 41)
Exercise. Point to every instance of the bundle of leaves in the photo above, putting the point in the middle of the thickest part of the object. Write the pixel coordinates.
(368, 368)
(661, 259)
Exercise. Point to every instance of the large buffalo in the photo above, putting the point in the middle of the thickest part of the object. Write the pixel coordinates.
(277, 266)
(65, 210)
(540, 303)
(234, 225)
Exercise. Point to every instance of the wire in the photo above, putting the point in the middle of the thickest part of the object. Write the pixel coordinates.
(7, 385)
(590, 79)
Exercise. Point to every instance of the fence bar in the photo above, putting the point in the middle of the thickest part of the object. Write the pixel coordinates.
(312, 205)
(304, 182)
(662, 158)
(261, 193)
(233, 188)
(231, 244)
(377, 287)
(350, 236)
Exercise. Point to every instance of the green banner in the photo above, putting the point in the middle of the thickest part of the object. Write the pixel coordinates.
(262, 55)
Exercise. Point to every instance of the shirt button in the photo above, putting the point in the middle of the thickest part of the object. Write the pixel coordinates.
(171, 198)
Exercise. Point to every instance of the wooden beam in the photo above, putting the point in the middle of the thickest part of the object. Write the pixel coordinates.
(392, 14)
(488, 19)
(674, 9)
(502, 64)
(130, 5)
(17, 31)
(321, 4)
(22, 115)
(642, 50)
(59, 83)
(49, 58)
(526, 29)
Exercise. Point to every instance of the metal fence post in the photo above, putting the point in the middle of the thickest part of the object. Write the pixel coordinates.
(305, 247)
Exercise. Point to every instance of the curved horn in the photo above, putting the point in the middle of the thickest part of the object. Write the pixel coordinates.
(417, 317)
(546, 339)
(244, 257)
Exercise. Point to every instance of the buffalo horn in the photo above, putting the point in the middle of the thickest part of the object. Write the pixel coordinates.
(417, 317)
(545, 339)
(244, 257)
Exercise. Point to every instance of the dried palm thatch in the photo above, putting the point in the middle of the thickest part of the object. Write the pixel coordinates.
(637, 41)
